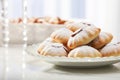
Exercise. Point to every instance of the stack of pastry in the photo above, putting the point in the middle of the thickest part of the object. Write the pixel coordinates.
(43, 20)
(79, 40)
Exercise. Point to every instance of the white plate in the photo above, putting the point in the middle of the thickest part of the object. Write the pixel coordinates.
(73, 62)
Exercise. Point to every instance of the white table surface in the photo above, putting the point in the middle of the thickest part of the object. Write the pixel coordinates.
(15, 64)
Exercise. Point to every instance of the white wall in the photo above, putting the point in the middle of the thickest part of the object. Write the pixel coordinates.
(62, 8)
(105, 13)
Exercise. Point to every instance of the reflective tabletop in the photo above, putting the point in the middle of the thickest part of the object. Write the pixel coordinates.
(16, 64)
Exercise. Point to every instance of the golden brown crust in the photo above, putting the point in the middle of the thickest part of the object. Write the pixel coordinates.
(42, 20)
(83, 37)
(111, 50)
(45, 43)
(54, 20)
(75, 26)
(84, 51)
(103, 39)
(54, 49)
(62, 35)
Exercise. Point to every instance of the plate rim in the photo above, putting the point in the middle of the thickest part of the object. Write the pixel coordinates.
(66, 59)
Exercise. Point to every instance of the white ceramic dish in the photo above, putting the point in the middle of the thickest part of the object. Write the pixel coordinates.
(35, 32)
(73, 62)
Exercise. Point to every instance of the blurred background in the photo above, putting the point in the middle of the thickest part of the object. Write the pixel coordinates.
(102, 13)
(62, 8)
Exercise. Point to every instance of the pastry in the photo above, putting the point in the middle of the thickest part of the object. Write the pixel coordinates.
(111, 50)
(87, 24)
(45, 43)
(83, 36)
(18, 20)
(103, 39)
(39, 20)
(54, 49)
(54, 20)
(46, 18)
(75, 26)
(84, 51)
(68, 22)
(62, 35)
